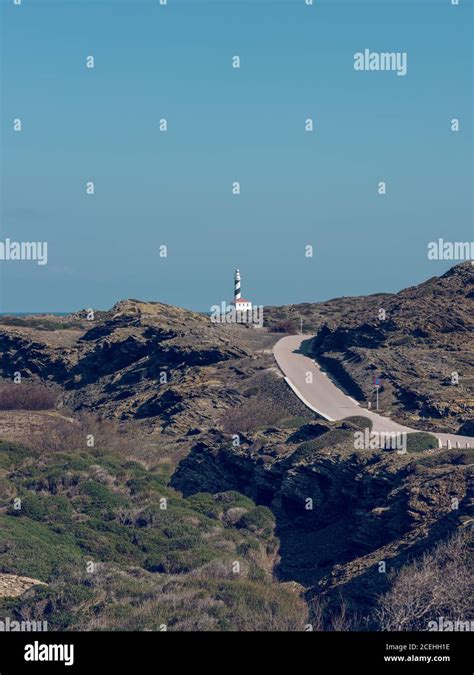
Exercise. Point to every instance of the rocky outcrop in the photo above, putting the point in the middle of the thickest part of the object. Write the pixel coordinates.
(12, 585)
(140, 360)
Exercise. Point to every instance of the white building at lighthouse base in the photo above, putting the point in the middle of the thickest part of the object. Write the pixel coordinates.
(242, 305)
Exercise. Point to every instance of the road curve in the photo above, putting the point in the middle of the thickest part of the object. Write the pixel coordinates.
(322, 396)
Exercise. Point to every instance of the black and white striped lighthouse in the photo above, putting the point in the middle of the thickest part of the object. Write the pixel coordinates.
(237, 292)
(240, 303)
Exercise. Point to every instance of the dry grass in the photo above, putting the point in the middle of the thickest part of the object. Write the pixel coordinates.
(287, 326)
(252, 414)
(86, 432)
(23, 396)
(439, 584)
(335, 618)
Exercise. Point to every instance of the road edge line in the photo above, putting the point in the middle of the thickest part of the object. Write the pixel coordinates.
(306, 403)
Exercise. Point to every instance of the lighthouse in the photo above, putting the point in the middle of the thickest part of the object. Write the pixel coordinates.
(240, 303)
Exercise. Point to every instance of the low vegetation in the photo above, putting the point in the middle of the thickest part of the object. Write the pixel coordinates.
(285, 326)
(46, 323)
(23, 396)
(360, 422)
(252, 414)
(119, 549)
(438, 584)
(453, 456)
(335, 438)
(420, 442)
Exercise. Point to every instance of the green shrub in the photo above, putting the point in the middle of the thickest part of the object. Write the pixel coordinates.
(43, 508)
(148, 484)
(247, 546)
(33, 549)
(308, 432)
(179, 562)
(99, 500)
(259, 518)
(421, 441)
(12, 454)
(106, 545)
(246, 605)
(74, 462)
(453, 456)
(232, 499)
(360, 422)
(332, 438)
(69, 518)
(205, 503)
(295, 422)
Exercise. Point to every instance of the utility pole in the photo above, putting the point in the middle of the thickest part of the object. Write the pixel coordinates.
(301, 325)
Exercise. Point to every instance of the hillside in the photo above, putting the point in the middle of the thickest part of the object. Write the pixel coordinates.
(365, 507)
(156, 471)
(425, 337)
(120, 550)
(169, 367)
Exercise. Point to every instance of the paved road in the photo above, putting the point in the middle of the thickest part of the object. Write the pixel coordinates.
(325, 398)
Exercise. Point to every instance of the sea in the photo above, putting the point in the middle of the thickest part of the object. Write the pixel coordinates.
(35, 313)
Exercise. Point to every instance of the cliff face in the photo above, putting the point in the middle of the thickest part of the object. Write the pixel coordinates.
(417, 341)
(338, 512)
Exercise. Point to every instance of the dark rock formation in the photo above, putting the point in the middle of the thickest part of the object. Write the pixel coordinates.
(339, 512)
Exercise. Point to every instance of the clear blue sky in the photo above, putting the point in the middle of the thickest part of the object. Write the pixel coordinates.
(174, 188)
